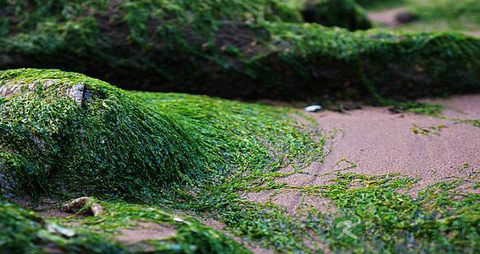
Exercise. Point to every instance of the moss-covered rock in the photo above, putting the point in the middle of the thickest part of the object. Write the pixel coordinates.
(212, 48)
(341, 13)
(67, 133)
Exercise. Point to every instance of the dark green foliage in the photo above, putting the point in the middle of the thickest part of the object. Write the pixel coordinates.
(341, 13)
(231, 50)
(110, 143)
(379, 3)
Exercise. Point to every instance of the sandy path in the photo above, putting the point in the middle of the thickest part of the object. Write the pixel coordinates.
(375, 141)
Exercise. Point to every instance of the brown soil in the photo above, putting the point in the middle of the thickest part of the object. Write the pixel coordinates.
(145, 231)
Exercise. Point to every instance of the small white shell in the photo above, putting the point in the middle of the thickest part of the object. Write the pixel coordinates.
(313, 108)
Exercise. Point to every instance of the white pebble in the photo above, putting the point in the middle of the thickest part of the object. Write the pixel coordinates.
(313, 108)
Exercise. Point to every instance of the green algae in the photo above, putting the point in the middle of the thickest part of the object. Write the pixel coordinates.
(110, 143)
(238, 161)
(24, 231)
(134, 145)
(420, 108)
(438, 219)
(242, 145)
(237, 52)
(190, 236)
(473, 122)
(393, 221)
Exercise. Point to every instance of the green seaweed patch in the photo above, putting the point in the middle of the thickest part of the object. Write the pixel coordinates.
(112, 142)
(420, 108)
(103, 141)
(24, 231)
(372, 214)
(393, 221)
(175, 45)
(427, 131)
(475, 123)
(187, 236)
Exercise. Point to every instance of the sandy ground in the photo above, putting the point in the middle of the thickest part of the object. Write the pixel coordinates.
(375, 141)
(372, 141)
(386, 17)
(463, 107)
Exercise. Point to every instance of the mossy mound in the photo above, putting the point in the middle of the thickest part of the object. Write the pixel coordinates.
(200, 49)
(341, 13)
(67, 133)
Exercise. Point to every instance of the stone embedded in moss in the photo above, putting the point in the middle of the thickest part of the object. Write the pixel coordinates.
(72, 133)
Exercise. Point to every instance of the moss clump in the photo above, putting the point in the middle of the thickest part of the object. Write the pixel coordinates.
(103, 142)
(341, 13)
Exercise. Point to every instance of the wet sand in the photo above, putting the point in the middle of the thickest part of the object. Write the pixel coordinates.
(375, 141)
